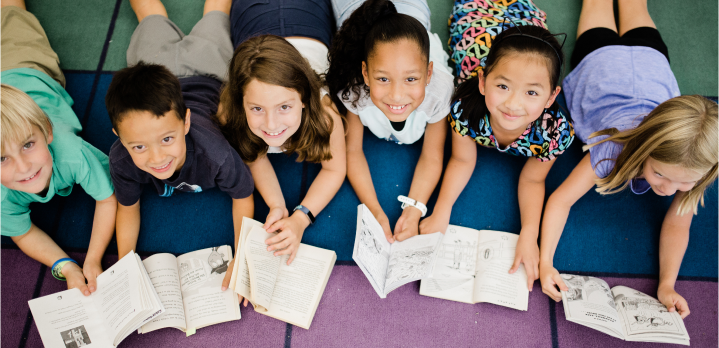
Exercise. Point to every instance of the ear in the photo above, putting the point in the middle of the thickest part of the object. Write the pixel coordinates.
(553, 97)
(429, 72)
(49, 136)
(480, 78)
(114, 131)
(187, 121)
(365, 75)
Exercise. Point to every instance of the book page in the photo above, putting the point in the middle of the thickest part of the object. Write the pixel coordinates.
(162, 270)
(643, 317)
(240, 281)
(201, 275)
(493, 283)
(454, 269)
(300, 285)
(371, 249)
(68, 317)
(590, 302)
(263, 266)
(411, 260)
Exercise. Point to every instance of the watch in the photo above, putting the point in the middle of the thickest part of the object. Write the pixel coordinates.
(307, 212)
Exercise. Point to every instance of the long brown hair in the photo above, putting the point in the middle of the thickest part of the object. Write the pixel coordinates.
(271, 59)
(680, 131)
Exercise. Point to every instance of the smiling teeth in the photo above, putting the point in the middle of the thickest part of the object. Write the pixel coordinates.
(30, 178)
(397, 107)
(273, 134)
(163, 167)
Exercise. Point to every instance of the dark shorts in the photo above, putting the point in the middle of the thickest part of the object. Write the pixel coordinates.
(306, 18)
(596, 38)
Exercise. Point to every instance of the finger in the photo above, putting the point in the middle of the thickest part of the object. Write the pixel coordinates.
(515, 264)
(91, 282)
(279, 237)
(275, 226)
(560, 283)
(388, 232)
(285, 251)
(536, 270)
(682, 307)
(530, 276)
(402, 235)
(226, 281)
(280, 245)
(245, 303)
(292, 257)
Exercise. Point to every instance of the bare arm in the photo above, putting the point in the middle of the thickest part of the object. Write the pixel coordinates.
(103, 227)
(359, 175)
(425, 179)
(128, 228)
(459, 169)
(672, 246)
(269, 187)
(530, 193)
(560, 202)
(240, 207)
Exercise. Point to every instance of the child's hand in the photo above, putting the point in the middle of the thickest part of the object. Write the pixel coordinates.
(384, 222)
(75, 278)
(674, 302)
(407, 224)
(226, 281)
(91, 270)
(434, 223)
(549, 277)
(276, 214)
(527, 252)
(288, 240)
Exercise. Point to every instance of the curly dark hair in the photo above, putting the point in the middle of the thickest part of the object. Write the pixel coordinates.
(375, 21)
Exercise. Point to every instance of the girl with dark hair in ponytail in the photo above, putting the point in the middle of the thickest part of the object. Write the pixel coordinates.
(388, 73)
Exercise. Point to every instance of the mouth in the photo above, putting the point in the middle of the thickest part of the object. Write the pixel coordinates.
(397, 109)
(163, 168)
(510, 117)
(274, 134)
(30, 178)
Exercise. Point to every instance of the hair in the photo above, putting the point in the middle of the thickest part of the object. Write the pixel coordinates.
(144, 87)
(271, 59)
(527, 39)
(681, 131)
(375, 21)
(19, 113)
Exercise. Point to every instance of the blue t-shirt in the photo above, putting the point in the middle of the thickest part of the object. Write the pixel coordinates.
(616, 87)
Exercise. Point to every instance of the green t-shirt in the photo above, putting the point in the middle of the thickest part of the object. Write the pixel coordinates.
(74, 160)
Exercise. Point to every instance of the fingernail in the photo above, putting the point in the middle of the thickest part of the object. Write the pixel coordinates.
(224, 288)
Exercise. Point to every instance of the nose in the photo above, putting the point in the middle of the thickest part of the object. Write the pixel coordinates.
(395, 92)
(668, 190)
(271, 122)
(156, 155)
(514, 101)
(22, 165)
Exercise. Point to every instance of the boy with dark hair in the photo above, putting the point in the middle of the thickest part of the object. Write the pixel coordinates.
(167, 137)
(42, 156)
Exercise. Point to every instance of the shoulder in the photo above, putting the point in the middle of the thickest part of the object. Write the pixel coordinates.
(438, 95)
(556, 134)
(603, 156)
(208, 142)
(355, 102)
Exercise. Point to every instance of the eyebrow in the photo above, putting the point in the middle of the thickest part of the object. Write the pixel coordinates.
(162, 135)
(535, 84)
(414, 71)
(278, 104)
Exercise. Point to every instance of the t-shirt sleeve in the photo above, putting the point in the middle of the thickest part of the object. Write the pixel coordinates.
(15, 217)
(441, 89)
(234, 177)
(348, 102)
(458, 126)
(94, 173)
(558, 134)
(127, 186)
(604, 156)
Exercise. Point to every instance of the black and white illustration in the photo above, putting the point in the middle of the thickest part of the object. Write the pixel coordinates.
(217, 262)
(75, 337)
(193, 273)
(642, 313)
(409, 264)
(586, 288)
(369, 241)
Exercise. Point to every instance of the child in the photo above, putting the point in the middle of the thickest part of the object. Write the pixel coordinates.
(273, 104)
(622, 96)
(387, 72)
(167, 138)
(42, 156)
(509, 106)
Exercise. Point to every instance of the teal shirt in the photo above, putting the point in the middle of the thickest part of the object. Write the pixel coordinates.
(74, 160)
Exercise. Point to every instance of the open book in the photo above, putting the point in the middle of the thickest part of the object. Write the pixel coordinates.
(288, 293)
(472, 266)
(125, 300)
(189, 287)
(621, 312)
(389, 266)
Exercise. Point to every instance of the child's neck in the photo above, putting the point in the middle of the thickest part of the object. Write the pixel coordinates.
(503, 137)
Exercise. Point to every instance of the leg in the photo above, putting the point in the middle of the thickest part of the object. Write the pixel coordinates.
(16, 3)
(596, 14)
(144, 8)
(634, 14)
(217, 5)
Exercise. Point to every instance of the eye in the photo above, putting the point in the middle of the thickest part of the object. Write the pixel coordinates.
(285, 107)
(256, 109)
(138, 147)
(28, 145)
(383, 79)
(659, 175)
(167, 139)
(500, 86)
(411, 79)
(533, 93)
(2, 159)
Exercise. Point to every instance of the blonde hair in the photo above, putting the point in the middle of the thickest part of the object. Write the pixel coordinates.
(19, 113)
(680, 131)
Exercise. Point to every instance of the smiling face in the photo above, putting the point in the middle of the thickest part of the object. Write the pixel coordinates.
(517, 90)
(274, 113)
(156, 144)
(27, 165)
(666, 179)
(397, 74)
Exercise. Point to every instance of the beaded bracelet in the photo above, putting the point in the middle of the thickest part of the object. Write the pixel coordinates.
(56, 269)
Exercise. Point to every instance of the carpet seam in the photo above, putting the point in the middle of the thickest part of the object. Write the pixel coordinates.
(288, 335)
(553, 322)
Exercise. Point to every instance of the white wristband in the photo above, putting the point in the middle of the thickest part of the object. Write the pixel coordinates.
(409, 202)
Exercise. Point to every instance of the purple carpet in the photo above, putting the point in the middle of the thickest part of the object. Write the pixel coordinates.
(351, 314)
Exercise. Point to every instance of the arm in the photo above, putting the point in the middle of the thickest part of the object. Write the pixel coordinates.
(128, 228)
(459, 170)
(359, 175)
(240, 207)
(425, 179)
(530, 192)
(560, 202)
(269, 187)
(38, 245)
(103, 227)
(323, 189)
(672, 245)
